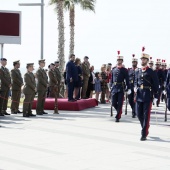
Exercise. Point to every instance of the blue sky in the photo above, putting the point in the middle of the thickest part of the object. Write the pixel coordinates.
(124, 25)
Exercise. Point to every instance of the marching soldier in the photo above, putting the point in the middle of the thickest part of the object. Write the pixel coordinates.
(86, 75)
(165, 75)
(146, 86)
(119, 75)
(151, 63)
(58, 74)
(5, 87)
(41, 87)
(17, 83)
(53, 83)
(29, 90)
(132, 72)
(161, 79)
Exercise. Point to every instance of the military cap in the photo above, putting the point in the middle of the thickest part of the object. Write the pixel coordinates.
(109, 64)
(151, 61)
(158, 62)
(144, 55)
(30, 64)
(16, 62)
(56, 61)
(133, 58)
(86, 57)
(119, 57)
(3, 59)
(52, 64)
(41, 61)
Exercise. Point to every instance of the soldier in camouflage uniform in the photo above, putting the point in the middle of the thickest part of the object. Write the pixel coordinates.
(104, 86)
(53, 83)
(29, 90)
(5, 87)
(58, 76)
(17, 83)
(41, 87)
(86, 74)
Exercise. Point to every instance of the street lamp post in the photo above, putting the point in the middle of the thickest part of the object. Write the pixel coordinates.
(42, 23)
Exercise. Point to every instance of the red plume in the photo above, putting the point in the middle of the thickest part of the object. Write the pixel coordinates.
(133, 55)
(163, 61)
(150, 58)
(157, 59)
(143, 49)
(118, 52)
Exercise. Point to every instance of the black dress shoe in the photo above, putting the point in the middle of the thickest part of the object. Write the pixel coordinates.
(19, 111)
(117, 120)
(45, 112)
(71, 100)
(40, 113)
(143, 138)
(26, 115)
(6, 113)
(31, 114)
(134, 116)
(13, 112)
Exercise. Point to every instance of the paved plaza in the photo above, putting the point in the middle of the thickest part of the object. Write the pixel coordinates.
(84, 140)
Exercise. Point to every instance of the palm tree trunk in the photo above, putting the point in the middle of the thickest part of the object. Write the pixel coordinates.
(61, 41)
(72, 18)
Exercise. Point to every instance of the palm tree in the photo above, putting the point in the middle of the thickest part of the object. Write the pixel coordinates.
(61, 41)
(70, 6)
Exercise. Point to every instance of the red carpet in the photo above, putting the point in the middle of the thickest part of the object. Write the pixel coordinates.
(63, 104)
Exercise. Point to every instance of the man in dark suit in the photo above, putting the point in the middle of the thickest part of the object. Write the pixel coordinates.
(71, 77)
(5, 87)
(146, 86)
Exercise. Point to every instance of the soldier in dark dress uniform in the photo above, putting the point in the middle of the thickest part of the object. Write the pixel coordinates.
(53, 83)
(161, 79)
(29, 90)
(17, 83)
(146, 86)
(58, 74)
(167, 86)
(132, 72)
(41, 87)
(117, 84)
(165, 75)
(5, 87)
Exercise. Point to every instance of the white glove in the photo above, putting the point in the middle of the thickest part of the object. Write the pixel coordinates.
(129, 91)
(159, 86)
(135, 89)
(155, 100)
(164, 92)
(22, 95)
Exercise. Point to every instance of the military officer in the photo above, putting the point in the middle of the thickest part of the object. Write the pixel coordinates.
(17, 83)
(119, 75)
(42, 83)
(132, 72)
(5, 87)
(58, 74)
(53, 83)
(146, 86)
(151, 63)
(86, 75)
(167, 85)
(29, 90)
(161, 79)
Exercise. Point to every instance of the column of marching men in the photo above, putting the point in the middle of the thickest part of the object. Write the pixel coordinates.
(144, 85)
